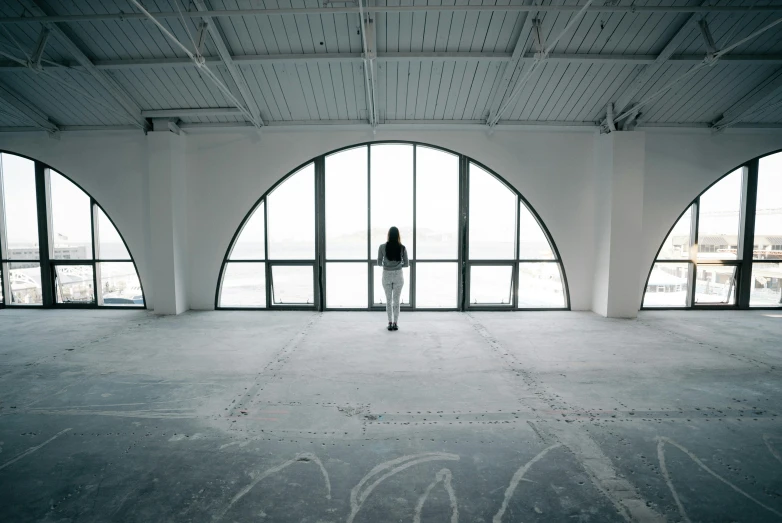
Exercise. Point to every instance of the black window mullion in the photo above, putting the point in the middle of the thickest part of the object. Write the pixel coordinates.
(694, 224)
(267, 266)
(320, 233)
(43, 205)
(4, 285)
(746, 246)
(514, 299)
(95, 253)
(371, 272)
(415, 227)
(464, 231)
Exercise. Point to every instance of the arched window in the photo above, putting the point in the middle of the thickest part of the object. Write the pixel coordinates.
(726, 248)
(311, 242)
(57, 245)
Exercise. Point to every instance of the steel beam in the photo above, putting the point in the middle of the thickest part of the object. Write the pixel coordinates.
(210, 111)
(225, 55)
(627, 9)
(519, 52)
(618, 59)
(753, 103)
(704, 127)
(648, 72)
(115, 91)
(28, 110)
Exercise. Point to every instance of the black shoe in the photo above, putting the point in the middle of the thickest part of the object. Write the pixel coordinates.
(390, 327)
(394, 327)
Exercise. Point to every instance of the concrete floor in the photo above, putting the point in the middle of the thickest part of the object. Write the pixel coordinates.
(233, 416)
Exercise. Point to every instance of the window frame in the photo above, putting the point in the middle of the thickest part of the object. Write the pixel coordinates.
(744, 252)
(462, 260)
(46, 259)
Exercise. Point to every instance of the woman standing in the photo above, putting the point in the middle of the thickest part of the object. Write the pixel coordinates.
(392, 256)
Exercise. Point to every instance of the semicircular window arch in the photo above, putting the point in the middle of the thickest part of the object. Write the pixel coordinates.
(725, 250)
(58, 247)
(311, 241)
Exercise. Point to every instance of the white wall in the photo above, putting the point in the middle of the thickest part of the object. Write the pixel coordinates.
(679, 166)
(112, 167)
(619, 181)
(228, 171)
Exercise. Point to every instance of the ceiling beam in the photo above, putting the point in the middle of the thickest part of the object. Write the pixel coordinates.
(519, 52)
(752, 104)
(618, 59)
(648, 72)
(191, 112)
(114, 90)
(27, 109)
(520, 125)
(628, 9)
(225, 55)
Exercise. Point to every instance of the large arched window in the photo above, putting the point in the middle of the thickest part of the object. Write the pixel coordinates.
(58, 247)
(725, 251)
(311, 241)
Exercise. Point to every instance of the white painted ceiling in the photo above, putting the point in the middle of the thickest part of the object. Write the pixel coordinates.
(106, 64)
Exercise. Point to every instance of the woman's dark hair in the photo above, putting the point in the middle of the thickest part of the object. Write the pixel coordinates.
(394, 245)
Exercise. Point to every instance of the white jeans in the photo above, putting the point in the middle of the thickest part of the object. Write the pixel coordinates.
(393, 281)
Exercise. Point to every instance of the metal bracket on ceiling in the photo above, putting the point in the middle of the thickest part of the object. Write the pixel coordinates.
(610, 118)
(166, 125)
(35, 59)
(708, 39)
(201, 38)
(540, 40)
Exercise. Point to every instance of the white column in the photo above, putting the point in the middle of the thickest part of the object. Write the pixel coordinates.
(619, 171)
(167, 221)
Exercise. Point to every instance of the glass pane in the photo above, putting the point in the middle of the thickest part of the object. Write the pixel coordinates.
(436, 285)
(21, 215)
(668, 284)
(119, 284)
(346, 205)
(25, 280)
(490, 285)
(292, 285)
(380, 294)
(437, 204)
(768, 216)
(110, 244)
(766, 290)
(492, 217)
(677, 244)
(392, 193)
(292, 217)
(715, 284)
(718, 219)
(533, 243)
(71, 233)
(2, 289)
(250, 243)
(244, 285)
(74, 284)
(346, 285)
(540, 286)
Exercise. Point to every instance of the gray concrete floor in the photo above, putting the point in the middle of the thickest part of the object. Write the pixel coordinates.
(275, 416)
